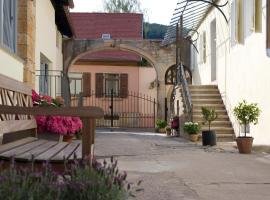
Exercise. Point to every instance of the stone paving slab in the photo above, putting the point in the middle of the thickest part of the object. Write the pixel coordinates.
(173, 168)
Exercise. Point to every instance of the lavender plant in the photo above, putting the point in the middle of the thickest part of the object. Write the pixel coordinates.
(78, 181)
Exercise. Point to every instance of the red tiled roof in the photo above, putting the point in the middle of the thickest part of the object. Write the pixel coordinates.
(118, 25)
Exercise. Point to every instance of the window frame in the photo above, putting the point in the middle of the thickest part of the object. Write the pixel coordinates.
(117, 94)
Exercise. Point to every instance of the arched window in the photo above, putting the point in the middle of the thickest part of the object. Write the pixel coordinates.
(171, 74)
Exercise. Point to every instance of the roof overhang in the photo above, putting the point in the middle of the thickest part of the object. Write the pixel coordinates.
(62, 19)
(193, 13)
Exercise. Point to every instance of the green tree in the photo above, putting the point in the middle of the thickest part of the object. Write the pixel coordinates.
(122, 6)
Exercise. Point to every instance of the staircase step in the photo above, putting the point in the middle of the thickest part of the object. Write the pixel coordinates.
(204, 91)
(226, 124)
(212, 106)
(222, 137)
(218, 111)
(207, 101)
(219, 117)
(205, 96)
(203, 87)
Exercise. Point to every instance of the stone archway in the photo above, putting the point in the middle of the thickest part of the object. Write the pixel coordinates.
(159, 57)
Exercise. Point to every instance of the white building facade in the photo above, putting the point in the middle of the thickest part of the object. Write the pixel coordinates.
(235, 56)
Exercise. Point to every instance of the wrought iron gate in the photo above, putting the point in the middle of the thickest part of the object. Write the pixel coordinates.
(132, 110)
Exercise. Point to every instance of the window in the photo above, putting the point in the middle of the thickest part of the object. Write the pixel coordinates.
(44, 79)
(237, 25)
(112, 84)
(105, 83)
(203, 47)
(258, 15)
(8, 17)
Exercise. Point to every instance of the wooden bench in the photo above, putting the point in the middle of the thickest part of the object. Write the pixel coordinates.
(18, 128)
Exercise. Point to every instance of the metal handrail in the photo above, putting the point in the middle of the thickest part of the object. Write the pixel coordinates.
(187, 100)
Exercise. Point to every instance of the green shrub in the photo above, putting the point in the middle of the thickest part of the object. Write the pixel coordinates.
(192, 128)
(209, 115)
(247, 113)
(161, 123)
(80, 181)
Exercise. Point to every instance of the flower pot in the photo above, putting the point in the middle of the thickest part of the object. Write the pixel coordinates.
(244, 144)
(209, 138)
(168, 132)
(194, 137)
(67, 138)
(162, 130)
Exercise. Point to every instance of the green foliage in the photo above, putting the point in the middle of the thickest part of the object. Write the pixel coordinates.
(79, 181)
(168, 128)
(154, 31)
(192, 128)
(161, 123)
(209, 115)
(247, 113)
(122, 6)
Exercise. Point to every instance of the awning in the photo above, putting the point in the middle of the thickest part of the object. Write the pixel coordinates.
(193, 12)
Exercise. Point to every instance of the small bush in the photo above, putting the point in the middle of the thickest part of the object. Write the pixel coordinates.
(80, 181)
(192, 128)
(161, 123)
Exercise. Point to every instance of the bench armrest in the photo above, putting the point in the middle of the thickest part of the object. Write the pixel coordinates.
(84, 112)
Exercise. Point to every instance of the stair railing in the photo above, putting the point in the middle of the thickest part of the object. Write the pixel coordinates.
(187, 100)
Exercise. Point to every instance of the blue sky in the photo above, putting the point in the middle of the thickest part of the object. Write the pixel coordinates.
(157, 11)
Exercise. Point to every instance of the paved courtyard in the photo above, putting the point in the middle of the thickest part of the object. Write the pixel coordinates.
(175, 169)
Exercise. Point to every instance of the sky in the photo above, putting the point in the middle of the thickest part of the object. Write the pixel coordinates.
(157, 12)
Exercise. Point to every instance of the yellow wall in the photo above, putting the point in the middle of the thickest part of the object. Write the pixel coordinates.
(11, 65)
(242, 71)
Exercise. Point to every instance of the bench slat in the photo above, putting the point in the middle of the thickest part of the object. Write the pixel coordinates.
(47, 155)
(9, 146)
(17, 125)
(27, 156)
(66, 152)
(21, 149)
(77, 152)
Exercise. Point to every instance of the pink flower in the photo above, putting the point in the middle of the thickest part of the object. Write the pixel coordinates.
(35, 97)
(48, 99)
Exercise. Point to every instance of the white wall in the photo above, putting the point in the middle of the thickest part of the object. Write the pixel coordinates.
(11, 65)
(242, 71)
(46, 37)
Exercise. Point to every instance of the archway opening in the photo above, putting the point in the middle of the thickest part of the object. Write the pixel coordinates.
(122, 83)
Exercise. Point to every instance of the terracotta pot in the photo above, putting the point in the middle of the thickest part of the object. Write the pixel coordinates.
(162, 130)
(244, 144)
(67, 138)
(194, 137)
(168, 132)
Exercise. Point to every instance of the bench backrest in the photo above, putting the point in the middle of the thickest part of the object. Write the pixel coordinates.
(13, 127)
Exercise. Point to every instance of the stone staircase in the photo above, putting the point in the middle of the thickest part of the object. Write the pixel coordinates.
(209, 96)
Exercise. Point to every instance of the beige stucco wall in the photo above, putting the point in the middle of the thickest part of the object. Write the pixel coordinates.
(242, 71)
(146, 76)
(11, 65)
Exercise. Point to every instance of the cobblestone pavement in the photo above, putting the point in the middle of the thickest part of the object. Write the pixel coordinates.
(175, 169)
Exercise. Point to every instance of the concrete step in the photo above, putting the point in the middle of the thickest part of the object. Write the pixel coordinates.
(222, 137)
(205, 96)
(204, 91)
(212, 106)
(219, 117)
(226, 124)
(207, 101)
(218, 111)
(203, 87)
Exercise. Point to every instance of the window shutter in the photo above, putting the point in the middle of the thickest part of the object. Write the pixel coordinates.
(86, 84)
(268, 27)
(124, 85)
(99, 85)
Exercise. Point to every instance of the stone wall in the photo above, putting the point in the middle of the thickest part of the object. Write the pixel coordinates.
(26, 38)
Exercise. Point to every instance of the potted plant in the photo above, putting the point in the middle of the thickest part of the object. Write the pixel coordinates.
(246, 114)
(209, 136)
(168, 130)
(161, 124)
(192, 129)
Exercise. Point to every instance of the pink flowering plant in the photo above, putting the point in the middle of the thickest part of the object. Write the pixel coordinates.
(62, 125)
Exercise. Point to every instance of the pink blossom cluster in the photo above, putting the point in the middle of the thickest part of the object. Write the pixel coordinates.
(62, 125)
